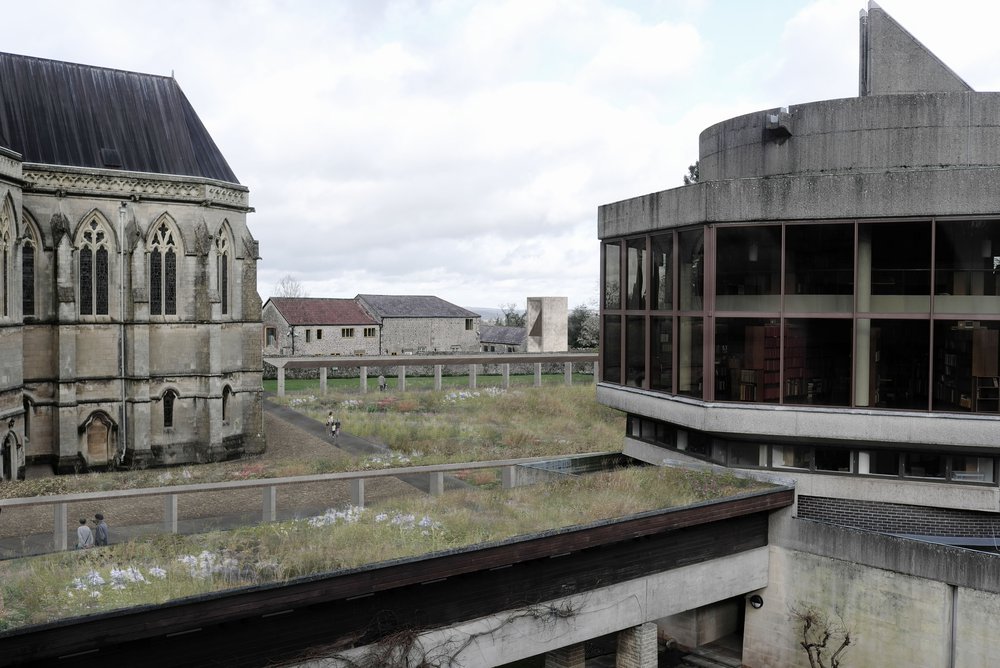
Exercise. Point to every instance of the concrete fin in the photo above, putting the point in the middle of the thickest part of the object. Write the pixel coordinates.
(894, 62)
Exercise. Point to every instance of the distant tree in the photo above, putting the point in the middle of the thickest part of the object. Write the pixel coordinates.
(692, 175)
(581, 329)
(289, 287)
(511, 316)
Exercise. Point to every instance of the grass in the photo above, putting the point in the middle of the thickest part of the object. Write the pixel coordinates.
(61, 585)
(418, 427)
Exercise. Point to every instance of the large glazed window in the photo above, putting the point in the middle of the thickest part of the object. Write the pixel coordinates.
(611, 366)
(635, 274)
(163, 271)
(691, 261)
(817, 362)
(819, 268)
(661, 284)
(894, 262)
(748, 268)
(690, 365)
(94, 267)
(612, 276)
(966, 375)
(661, 353)
(635, 351)
(967, 267)
(748, 359)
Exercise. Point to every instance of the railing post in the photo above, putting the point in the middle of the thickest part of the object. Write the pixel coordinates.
(363, 377)
(538, 374)
(437, 377)
(170, 513)
(568, 372)
(597, 372)
(506, 375)
(472, 376)
(437, 483)
(270, 504)
(59, 527)
(358, 492)
(322, 379)
(281, 381)
(401, 378)
(507, 476)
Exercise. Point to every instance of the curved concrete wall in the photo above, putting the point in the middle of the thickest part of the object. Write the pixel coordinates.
(878, 133)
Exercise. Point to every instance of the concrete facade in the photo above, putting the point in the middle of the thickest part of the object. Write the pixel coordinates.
(547, 324)
(822, 306)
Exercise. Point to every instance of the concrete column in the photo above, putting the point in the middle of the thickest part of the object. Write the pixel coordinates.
(170, 513)
(60, 530)
(507, 476)
(281, 381)
(437, 483)
(363, 376)
(505, 370)
(322, 380)
(863, 332)
(567, 657)
(597, 372)
(437, 377)
(538, 374)
(270, 502)
(401, 378)
(568, 372)
(637, 647)
(358, 492)
(472, 376)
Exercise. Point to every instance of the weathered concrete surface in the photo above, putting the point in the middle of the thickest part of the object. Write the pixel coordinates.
(507, 637)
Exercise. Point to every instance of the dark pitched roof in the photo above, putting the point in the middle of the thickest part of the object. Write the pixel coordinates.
(412, 306)
(311, 311)
(507, 336)
(58, 113)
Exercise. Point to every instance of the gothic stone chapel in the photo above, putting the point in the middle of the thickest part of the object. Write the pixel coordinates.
(129, 314)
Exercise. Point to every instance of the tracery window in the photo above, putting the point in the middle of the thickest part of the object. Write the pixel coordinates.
(94, 269)
(222, 273)
(163, 272)
(28, 277)
(6, 225)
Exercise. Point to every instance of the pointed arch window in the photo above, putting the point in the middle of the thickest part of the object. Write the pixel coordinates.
(6, 225)
(163, 272)
(28, 276)
(168, 408)
(226, 394)
(222, 273)
(94, 269)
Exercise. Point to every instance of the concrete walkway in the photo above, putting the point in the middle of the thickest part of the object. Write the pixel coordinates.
(41, 543)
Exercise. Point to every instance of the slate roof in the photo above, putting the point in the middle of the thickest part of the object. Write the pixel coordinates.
(314, 311)
(58, 113)
(507, 336)
(412, 306)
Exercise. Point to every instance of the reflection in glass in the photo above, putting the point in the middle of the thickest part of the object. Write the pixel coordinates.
(635, 270)
(923, 465)
(894, 371)
(662, 281)
(748, 268)
(612, 276)
(661, 353)
(894, 261)
(611, 348)
(967, 263)
(972, 469)
(690, 357)
(635, 351)
(790, 456)
(819, 268)
(691, 259)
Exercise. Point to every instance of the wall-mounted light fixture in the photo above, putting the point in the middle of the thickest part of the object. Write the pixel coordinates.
(756, 602)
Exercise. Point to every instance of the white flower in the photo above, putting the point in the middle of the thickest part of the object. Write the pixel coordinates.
(157, 572)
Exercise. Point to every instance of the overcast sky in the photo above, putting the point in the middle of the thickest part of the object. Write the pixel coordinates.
(459, 148)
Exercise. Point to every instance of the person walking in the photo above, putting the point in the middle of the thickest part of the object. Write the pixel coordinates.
(100, 531)
(84, 537)
(381, 383)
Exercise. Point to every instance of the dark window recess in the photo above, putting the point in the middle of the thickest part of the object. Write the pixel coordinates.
(168, 409)
(86, 281)
(28, 280)
(170, 283)
(111, 158)
(101, 296)
(155, 283)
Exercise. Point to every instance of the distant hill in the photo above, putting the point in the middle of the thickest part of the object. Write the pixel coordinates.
(488, 314)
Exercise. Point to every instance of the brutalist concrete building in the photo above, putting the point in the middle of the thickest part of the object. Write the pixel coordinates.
(824, 303)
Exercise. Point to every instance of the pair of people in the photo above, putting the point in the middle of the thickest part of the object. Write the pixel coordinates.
(85, 538)
(333, 425)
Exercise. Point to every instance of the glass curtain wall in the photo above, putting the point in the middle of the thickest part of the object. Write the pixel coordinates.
(896, 315)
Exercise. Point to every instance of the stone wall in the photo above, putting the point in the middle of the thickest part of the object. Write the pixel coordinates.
(430, 335)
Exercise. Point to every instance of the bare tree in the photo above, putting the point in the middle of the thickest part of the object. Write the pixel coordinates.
(820, 636)
(289, 286)
(512, 316)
